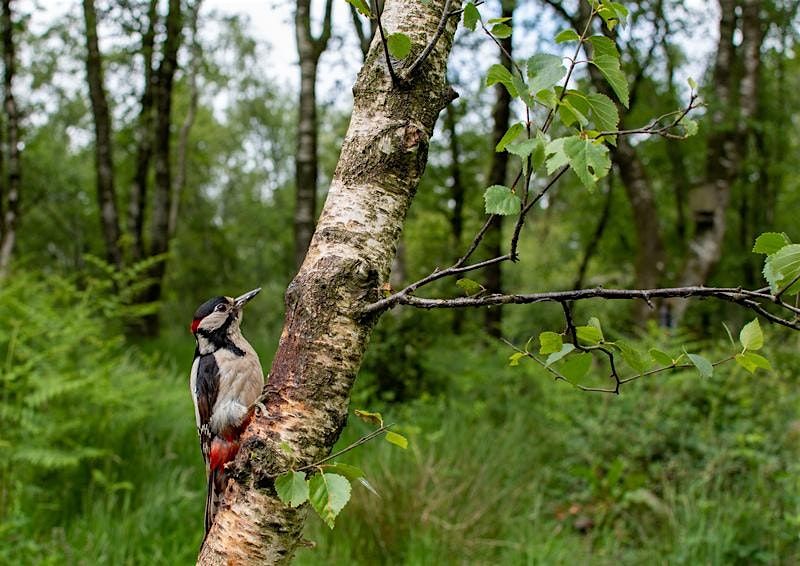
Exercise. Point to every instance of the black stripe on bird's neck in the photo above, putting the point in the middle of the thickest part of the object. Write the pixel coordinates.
(219, 337)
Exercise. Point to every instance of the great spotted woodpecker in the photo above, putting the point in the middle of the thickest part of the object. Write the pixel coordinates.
(225, 382)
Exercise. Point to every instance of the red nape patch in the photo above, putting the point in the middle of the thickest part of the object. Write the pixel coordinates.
(194, 325)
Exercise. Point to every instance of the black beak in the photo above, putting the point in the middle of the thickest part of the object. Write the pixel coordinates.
(242, 300)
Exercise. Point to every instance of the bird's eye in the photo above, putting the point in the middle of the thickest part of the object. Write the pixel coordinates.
(221, 307)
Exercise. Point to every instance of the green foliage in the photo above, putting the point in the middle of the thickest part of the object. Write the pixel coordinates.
(471, 16)
(329, 493)
(361, 6)
(292, 488)
(501, 200)
(399, 45)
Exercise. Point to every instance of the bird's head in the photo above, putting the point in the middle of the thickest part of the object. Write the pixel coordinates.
(220, 315)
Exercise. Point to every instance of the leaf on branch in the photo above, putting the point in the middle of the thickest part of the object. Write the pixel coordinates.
(397, 439)
(603, 46)
(573, 108)
(589, 334)
(567, 35)
(513, 359)
(499, 74)
(525, 148)
(633, 357)
(292, 488)
(469, 286)
(661, 357)
(501, 31)
(689, 127)
(511, 134)
(782, 268)
(471, 16)
(370, 418)
(498, 20)
(770, 242)
(555, 356)
(361, 6)
(550, 342)
(609, 66)
(703, 366)
(499, 199)
(329, 493)
(751, 336)
(350, 472)
(399, 45)
(577, 366)
(604, 112)
(751, 362)
(589, 159)
(544, 71)
(692, 83)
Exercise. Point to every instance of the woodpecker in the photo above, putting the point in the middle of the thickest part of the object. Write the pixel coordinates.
(225, 381)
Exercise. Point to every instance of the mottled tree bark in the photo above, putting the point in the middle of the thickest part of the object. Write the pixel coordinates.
(324, 335)
(10, 211)
(144, 141)
(731, 116)
(104, 162)
(498, 171)
(309, 50)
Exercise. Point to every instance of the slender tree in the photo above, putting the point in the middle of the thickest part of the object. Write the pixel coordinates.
(11, 183)
(309, 49)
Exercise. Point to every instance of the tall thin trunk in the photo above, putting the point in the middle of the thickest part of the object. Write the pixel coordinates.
(324, 336)
(104, 162)
(9, 213)
(162, 198)
(726, 146)
(597, 235)
(309, 50)
(501, 115)
(179, 184)
(457, 192)
(144, 142)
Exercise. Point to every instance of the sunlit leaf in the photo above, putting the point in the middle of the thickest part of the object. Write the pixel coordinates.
(751, 362)
(329, 493)
(703, 366)
(399, 45)
(770, 242)
(782, 268)
(501, 200)
(292, 488)
(661, 357)
(511, 134)
(576, 366)
(567, 35)
(397, 439)
(550, 342)
(544, 71)
(751, 337)
(471, 16)
(370, 418)
(555, 356)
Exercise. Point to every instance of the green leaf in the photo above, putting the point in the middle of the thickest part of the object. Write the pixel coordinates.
(513, 359)
(604, 112)
(567, 35)
(469, 286)
(471, 16)
(661, 357)
(399, 45)
(350, 472)
(501, 31)
(577, 366)
(594, 321)
(609, 66)
(550, 342)
(703, 366)
(498, 20)
(292, 488)
(589, 334)
(361, 6)
(557, 157)
(589, 159)
(751, 337)
(525, 147)
(751, 362)
(497, 73)
(783, 267)
(501, 200)
(397, 439)
(569, 113)
(544, 71)
(370, 418)
(633, 357)
(329, 493)
(770, 242)
(603, 46)
(510, 135)
(555, 356)
(692, 83)
(689, 127)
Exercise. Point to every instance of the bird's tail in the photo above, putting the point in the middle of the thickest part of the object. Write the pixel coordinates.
(216, 485)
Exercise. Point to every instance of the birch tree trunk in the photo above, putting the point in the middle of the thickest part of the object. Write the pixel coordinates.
(104, 162)
(8, 219)
(324, 336)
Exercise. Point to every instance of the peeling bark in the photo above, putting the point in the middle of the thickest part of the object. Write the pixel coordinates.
(104, 162)
(10, 212)
(349, 258)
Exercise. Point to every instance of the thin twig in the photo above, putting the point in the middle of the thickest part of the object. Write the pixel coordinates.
(392, 74)
(348, 448)
(409, 73)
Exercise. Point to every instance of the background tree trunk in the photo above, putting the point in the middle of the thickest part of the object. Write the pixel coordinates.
(324, 336)
(309, 49)
(104, 162)
(9, 213)
(498, 171)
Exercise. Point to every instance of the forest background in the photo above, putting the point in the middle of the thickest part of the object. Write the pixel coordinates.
(151, 157)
